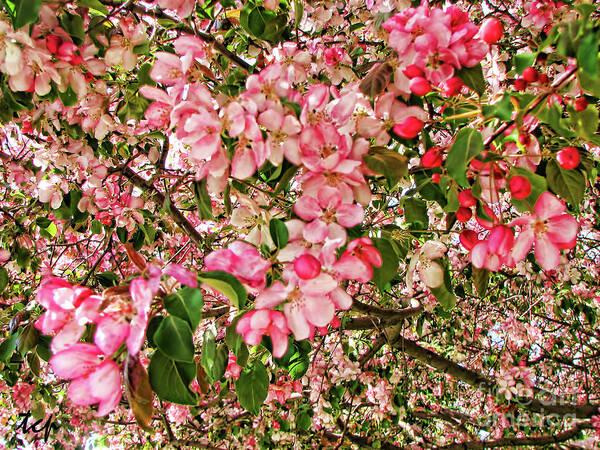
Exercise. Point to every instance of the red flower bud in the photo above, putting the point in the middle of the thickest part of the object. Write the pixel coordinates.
(464, 214)
(491, 30)
(568, 158)
(432, 158)
(520, 187)
(436, 177)
(581, 104)
(413, 71)
(419, 86)
(468, 239)
(520, 84)
(466, 198)
(530, 74)
(452, 86)
(52, 43)
(409, 127)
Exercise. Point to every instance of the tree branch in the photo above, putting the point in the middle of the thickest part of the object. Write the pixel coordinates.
(518, 442)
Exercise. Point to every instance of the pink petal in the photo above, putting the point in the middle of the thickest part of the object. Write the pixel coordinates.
(105, 385)
(318, 310)
(562, 229)
(141, 294)
(280, 342)
(67, 336)
(220, 260)
(79, 392)
(548, 206)
(315, 232)
(320, 285)
(307, 208)
(111, 332)
(522, 244)
(271, 297)
(341, 298)
(547, 254)
(329, 197)
(296, 321)
(76, 361)
(479, 254)
(350, 214)
(260, 320)
(243, 164)
(137, 333)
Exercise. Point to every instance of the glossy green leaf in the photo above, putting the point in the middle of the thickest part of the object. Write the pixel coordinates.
(467, 144)
(174, 338)
(25, 12)
(94, 5)
(569, 184)
(252, 387)
(523, 60)
(585, 123)
(8, 347)
(502, 109)
(170, 379)
(279, 233)
(473, 78)
(226, 284)
(186, 303)
(389, 163)
(415, 213)
(389, 269)
(587, 54)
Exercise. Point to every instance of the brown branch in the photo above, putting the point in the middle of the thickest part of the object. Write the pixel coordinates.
(208, 38)
(381, 317)
(558, 83)
(554, 405)
(518, 442)
(175, 213)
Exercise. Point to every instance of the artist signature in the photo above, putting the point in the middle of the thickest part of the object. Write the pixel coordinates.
(36, 427)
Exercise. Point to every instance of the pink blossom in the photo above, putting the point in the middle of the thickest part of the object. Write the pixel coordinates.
(262, 322)
(549, 228)
(94, 380)
(241, 260)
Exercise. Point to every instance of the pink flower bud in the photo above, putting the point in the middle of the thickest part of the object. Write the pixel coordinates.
(452, 86)
(409, 127)
(307, 266)
(464, 214)
(468, 239)
(491, 30)
(420, 86)
(52, 43)
(413, 71)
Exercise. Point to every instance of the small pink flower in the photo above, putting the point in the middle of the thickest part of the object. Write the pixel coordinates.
(550, 229)
(256, 324)
(242, 261)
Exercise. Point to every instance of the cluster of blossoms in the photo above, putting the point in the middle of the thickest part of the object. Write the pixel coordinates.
(120, 317)
(432, 44)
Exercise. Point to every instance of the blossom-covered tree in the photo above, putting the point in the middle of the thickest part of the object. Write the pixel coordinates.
(293, 224)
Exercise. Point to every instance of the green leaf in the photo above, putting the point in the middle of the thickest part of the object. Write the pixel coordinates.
(538, 185)
(473, 78)
(502, 109)
(279, 233)
(523, 60)
(588, 83)
(226, 284)
(25, 12)
(585, 123)
(298, 11)
(170, 379)
(8, 347)
(220, 363)
(73, 24)
(108, 279)
(587, 54)
(481, 277)
(415, 213)
(467, 145)
(3, 279)
(445, 297)
(209, 350)
(252, 387)
(553, 117)
(202, 200)
(94, 5)
(389, 163)
(569, 184)
(174, 338)
(186, 304)
(389, 269)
